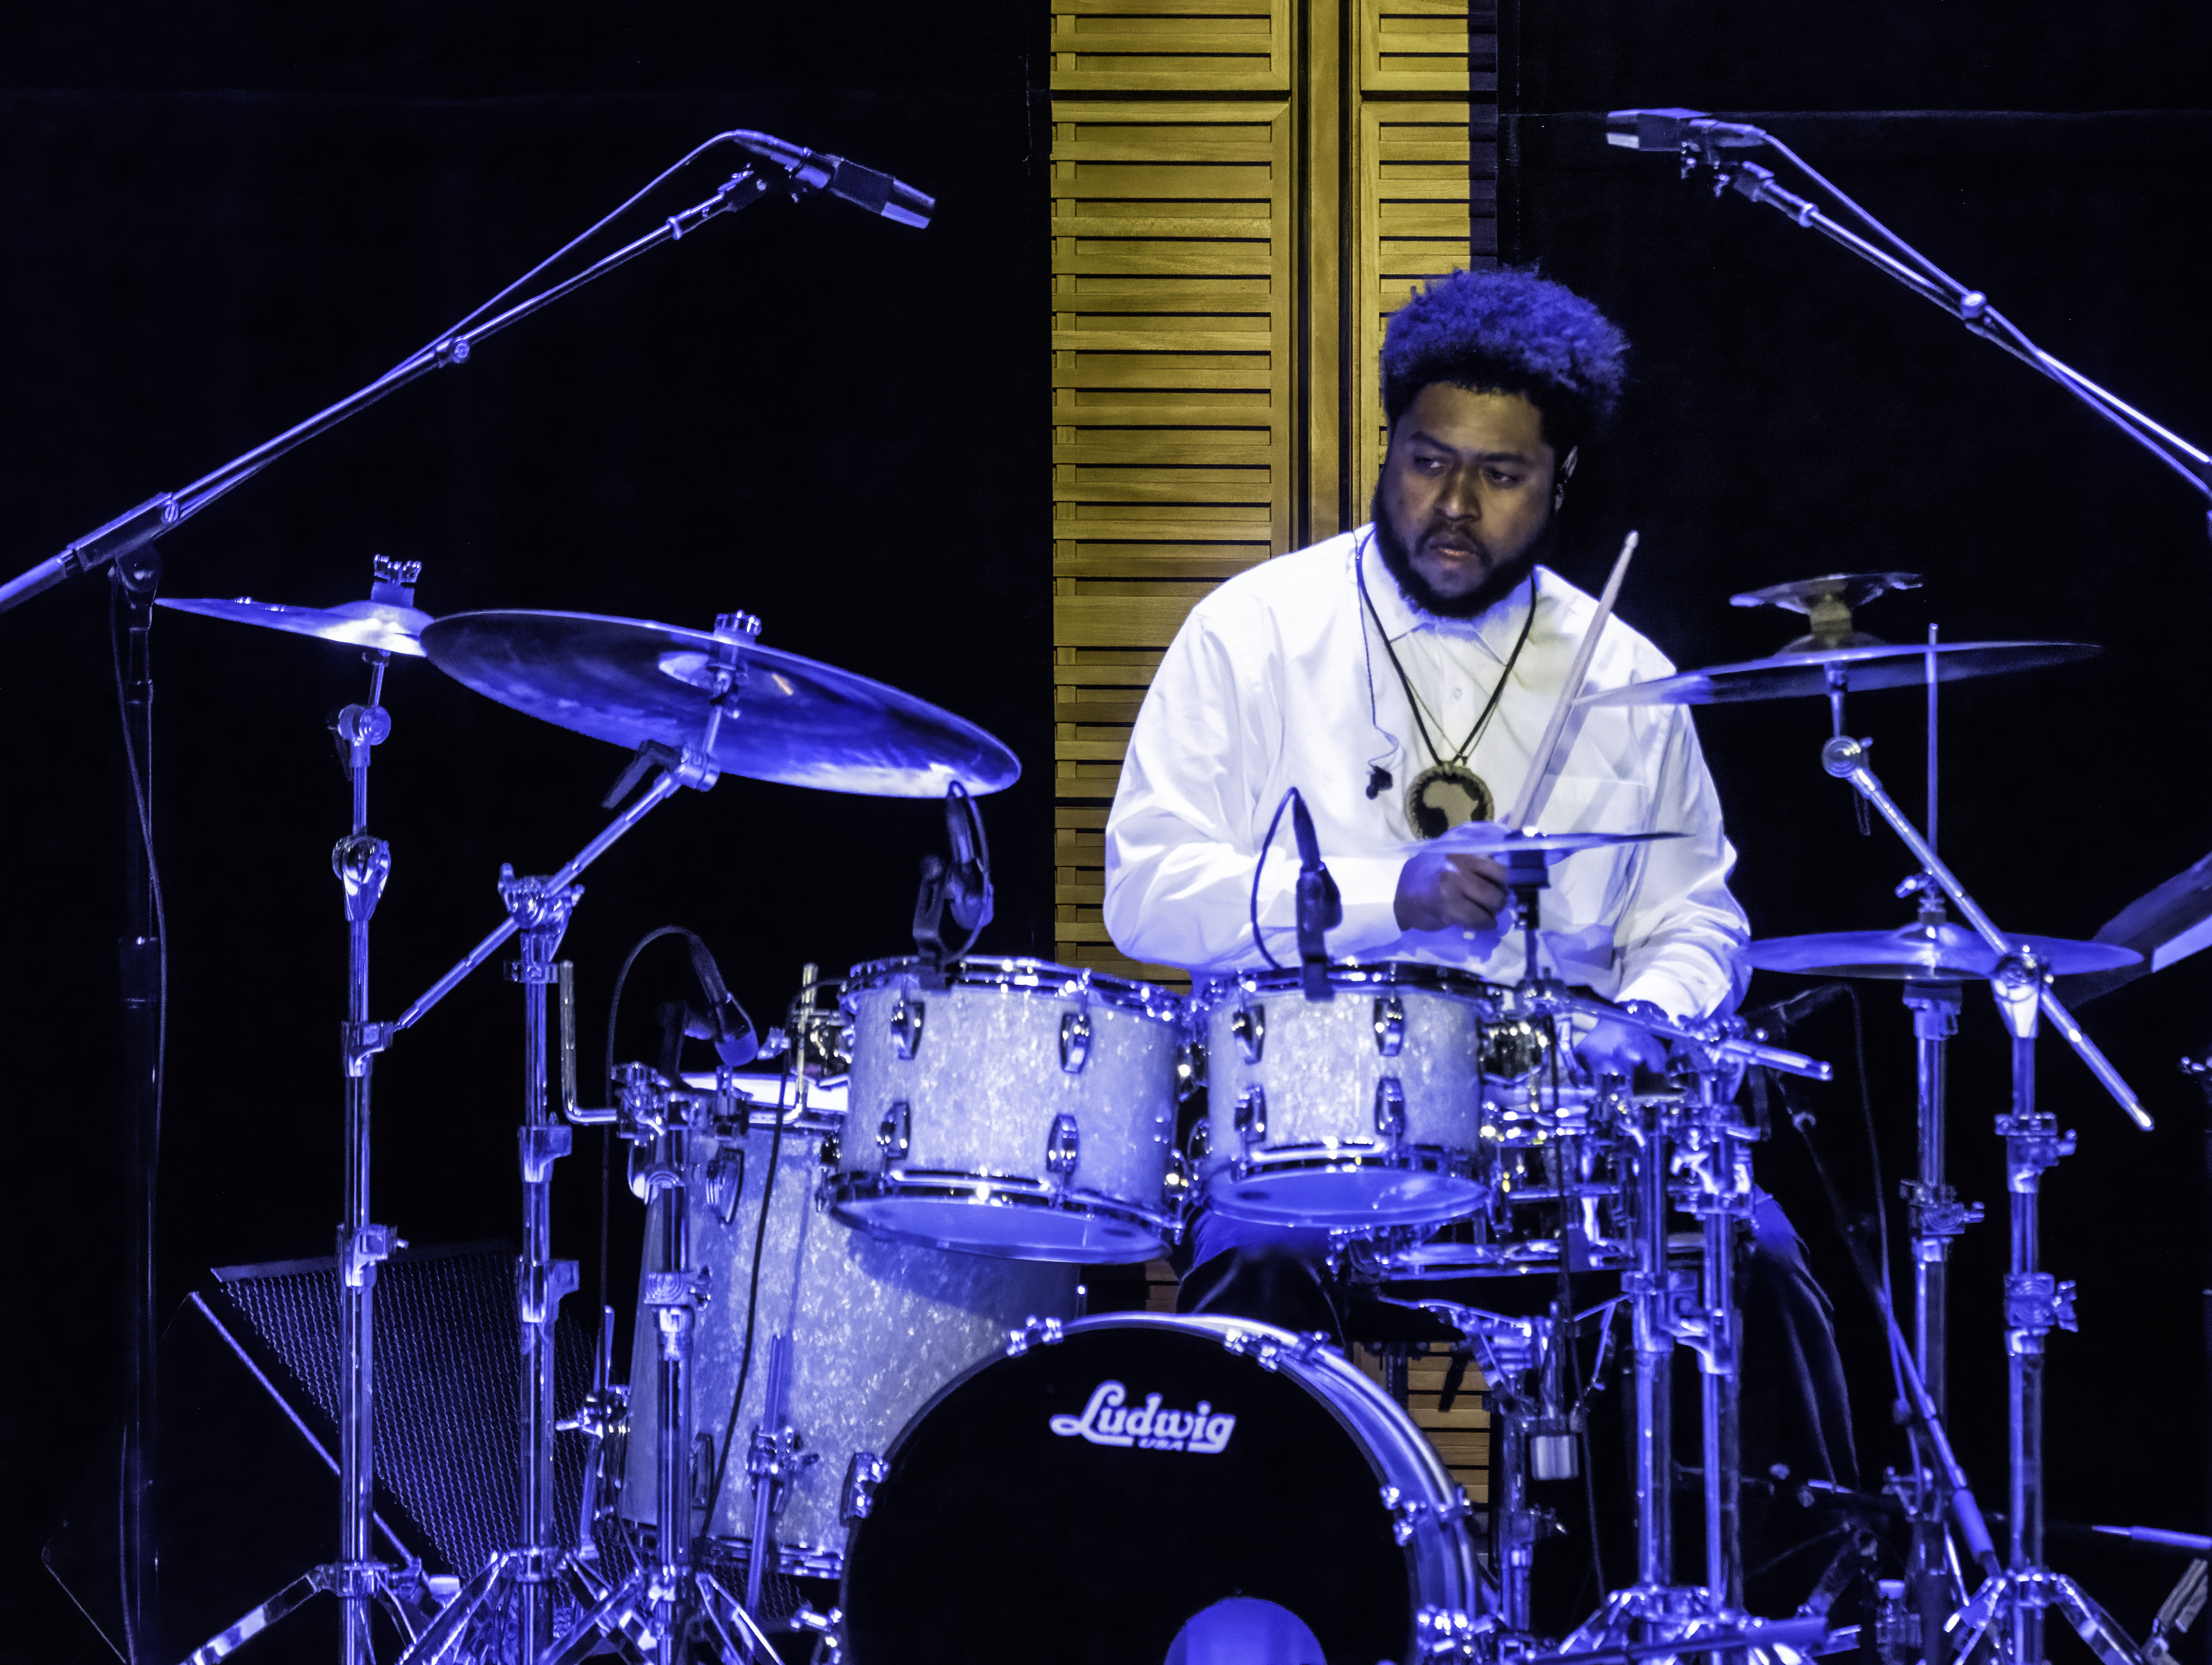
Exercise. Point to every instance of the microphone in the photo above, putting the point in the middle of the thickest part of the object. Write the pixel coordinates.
(735, 1044)
(1320, 904)
(968, 881)
(863, 187)
(1671, 129)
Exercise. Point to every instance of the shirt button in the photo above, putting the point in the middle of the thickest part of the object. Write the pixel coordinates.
(1459, 693)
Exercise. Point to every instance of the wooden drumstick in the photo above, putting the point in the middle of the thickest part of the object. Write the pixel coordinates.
(1535, 791)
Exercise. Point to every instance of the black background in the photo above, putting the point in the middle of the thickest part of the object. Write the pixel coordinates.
(218, 219)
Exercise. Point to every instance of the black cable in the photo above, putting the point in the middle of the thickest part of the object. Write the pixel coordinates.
(1259, 868)
(1874, 1147)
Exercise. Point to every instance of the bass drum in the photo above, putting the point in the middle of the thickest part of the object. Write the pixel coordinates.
(1106, 1484)
(876, 1329)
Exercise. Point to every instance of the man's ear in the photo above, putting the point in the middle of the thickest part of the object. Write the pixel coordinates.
(1561, 475)
(1567, 463)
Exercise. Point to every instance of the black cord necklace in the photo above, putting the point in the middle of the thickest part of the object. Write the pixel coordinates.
(1448, 793)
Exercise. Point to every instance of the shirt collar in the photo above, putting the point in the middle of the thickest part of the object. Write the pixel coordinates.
(1496, 628)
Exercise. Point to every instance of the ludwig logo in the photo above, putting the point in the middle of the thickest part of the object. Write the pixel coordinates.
(1108, 1420)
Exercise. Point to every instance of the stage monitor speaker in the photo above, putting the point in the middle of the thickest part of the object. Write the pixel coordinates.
(245, 1490)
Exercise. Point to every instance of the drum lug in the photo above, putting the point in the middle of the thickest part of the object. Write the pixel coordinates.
(895, 1133)
(1074, 1041)
(1389, 1026)
(1249, 1026)
(1047, 1330)
(1063, 1147)
(1175, 1185)
(862, 1476)
(906, 1025)
(1201, 1139)
(1252, 1114)
(1390, 1107)
(1190, 1070)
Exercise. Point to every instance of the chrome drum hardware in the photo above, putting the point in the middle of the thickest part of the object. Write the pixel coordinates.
(1025, 1109)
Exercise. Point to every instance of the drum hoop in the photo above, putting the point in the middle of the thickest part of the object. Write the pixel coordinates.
(1347, 974)
(1005, 1191)
(1027, 976)
(1441, 1545)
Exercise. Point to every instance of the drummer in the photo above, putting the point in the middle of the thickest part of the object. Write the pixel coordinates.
(1401, 676)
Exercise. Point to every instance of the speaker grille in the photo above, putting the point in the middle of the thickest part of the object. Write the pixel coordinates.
(448, 1388)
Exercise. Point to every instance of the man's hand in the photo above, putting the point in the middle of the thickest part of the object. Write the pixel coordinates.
(1616, 1047)
(1439, 889)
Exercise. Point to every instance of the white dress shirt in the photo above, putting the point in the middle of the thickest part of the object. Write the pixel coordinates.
(1279, 678)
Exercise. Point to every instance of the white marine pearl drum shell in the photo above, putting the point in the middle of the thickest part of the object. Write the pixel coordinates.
(1363, 1110)
(878, 1330)
(1028, 1110)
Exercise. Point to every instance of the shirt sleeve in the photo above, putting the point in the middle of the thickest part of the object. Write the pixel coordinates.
(1183, 836)
(1681, 935)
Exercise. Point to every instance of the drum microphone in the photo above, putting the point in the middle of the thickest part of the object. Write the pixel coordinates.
(1320, 903)
(1671, 129)
(863, 187)
(725, 1023)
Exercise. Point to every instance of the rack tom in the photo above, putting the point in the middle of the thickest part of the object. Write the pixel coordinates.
(1024, 1109)
(1364, 1111)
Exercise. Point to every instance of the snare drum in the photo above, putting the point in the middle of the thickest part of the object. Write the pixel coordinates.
(1027, 1109)
(1128, 1481)
(1364, 1110)
(877, 1328)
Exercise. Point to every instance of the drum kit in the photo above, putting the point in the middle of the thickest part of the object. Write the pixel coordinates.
(863, 1370)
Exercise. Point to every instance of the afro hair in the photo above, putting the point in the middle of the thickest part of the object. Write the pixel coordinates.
(1507, 332)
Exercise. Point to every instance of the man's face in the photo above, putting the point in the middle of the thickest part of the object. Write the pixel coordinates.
(1466, 486)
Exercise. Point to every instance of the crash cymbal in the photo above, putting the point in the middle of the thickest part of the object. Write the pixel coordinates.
(629, 681)
(1941, 953)
(375, 624)
(1489, 838)
(1798, 676)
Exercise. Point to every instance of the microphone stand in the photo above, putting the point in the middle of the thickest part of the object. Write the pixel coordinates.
(123, 544)
(1702, 143)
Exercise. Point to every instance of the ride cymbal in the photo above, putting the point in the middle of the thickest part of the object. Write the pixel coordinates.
(1806, 675)
(1942, 953)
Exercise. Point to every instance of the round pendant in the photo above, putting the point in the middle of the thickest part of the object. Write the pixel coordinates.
(1446, 796)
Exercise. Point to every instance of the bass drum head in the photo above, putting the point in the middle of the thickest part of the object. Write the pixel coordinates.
(1009, 1528)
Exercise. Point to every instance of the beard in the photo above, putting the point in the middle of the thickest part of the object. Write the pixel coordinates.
(1496, 584)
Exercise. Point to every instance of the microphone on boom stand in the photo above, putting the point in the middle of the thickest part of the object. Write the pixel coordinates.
(863, 187)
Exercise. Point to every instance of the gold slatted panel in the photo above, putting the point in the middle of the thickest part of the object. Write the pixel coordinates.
(1171, 415)
(1461, 1436)
(1425, 159)
(1171, 47)
(1201, 422)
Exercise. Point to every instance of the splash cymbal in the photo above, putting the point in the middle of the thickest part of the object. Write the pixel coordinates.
(380, 625)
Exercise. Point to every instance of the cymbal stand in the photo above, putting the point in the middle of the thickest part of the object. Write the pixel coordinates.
(2014, 1602)
(658, 1609)
(539, 908)
(362, 863)
(1699, 1136)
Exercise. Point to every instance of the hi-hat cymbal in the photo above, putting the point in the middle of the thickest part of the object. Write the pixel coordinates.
(1795, 676)
(1942, 953)
(375, 624)
(792, 719)
(1489, 838)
